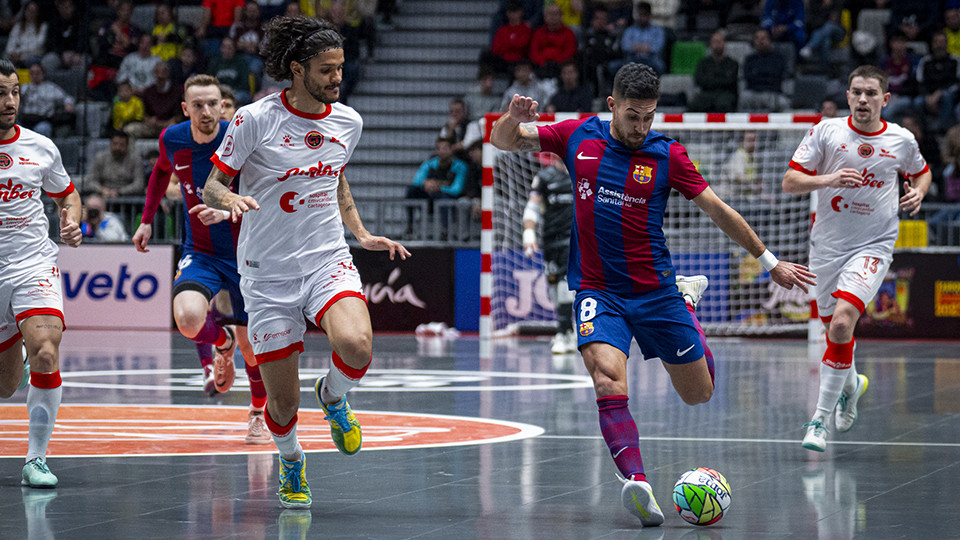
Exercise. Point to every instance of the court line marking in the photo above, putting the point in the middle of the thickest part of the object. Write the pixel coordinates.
(767, 441)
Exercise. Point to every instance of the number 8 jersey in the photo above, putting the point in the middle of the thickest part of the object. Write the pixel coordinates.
(850, 220)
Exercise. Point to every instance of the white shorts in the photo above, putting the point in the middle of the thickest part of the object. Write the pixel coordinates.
(276, 309)
(856, 279)
(28, 288)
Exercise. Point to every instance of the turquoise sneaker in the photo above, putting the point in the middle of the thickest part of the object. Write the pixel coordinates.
(25, 378)
(816, 437)
(36, 474)
(294, 491)
(846, 413)
(344, 427)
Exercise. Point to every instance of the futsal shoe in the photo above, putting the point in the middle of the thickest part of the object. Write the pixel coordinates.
(257, 429)
(846, 413)
(816, 437)
(294, 491)
(25, 378)
(692, 288)
(637, 497)
(224, 372)
(208, 386)
(36, 474)
(563, 343)
(344, 427)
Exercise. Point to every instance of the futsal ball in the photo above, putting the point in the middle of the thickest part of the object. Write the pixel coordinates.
(701, 496)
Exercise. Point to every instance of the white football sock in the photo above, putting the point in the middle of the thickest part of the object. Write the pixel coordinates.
(42, 406)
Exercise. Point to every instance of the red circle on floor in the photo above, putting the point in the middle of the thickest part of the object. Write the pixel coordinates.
(131, 430)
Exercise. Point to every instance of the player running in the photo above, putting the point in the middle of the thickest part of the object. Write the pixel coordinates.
(31, 294)
(853, 163)
(208, 262)
(289, 151)
(622, 173)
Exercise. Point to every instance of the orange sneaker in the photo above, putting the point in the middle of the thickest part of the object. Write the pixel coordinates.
(257, 432)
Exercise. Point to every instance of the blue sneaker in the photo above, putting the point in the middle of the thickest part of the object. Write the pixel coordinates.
(36, 474)
(344, 427)
(294, 491)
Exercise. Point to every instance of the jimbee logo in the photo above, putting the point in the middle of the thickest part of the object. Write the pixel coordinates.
(5, 161)
(313, 140)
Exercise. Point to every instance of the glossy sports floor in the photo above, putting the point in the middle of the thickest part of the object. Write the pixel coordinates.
(459, 447)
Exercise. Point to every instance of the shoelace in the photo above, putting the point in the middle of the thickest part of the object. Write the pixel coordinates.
(291, 475)
(42, 465)
(339, 415)
(816, 423)
(842, 402)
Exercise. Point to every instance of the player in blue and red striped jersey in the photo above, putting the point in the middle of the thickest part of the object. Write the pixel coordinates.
(622, 174)
(208, 261)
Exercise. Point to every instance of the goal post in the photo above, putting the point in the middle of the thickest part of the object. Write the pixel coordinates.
(743, 158)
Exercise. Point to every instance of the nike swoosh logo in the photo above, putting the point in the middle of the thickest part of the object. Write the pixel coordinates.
(581, 156)
(685, 351)
(179, 168)
(618, 452)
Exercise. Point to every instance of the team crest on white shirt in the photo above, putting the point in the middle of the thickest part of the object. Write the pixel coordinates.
(865, 150)
(5, 161)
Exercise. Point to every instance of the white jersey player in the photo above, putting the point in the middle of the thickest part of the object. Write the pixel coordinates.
(31, 297)
(289, 151)
(853, 163)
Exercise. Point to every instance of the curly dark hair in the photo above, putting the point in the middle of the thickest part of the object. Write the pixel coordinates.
(636, 81)
(295, 39)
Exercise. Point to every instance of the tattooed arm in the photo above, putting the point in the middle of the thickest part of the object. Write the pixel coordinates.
(351, 218)
(217, 194)
(508, 134)
(70, 215)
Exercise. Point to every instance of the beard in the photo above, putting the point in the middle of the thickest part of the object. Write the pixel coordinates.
(4, 125)
(320, 93)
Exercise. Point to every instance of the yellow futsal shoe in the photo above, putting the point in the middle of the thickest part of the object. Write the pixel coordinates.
(344, 428)
(294, 491)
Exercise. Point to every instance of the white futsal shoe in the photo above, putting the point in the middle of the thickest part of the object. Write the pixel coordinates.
(692, 288)
(846, 412)
(637, 497)
(816, 437)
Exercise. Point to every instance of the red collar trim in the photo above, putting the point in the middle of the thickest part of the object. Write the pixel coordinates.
(16, 135)
(865, 133)
(301, 114)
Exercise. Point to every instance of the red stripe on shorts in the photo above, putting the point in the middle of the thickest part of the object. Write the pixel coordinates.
(279, 354)
(849, 297)
(337, 297)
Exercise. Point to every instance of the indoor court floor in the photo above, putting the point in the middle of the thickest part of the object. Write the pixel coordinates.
(504, 445)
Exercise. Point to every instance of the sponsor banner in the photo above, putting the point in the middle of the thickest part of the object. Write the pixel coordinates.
(116, 286)
(919, 298)
(403, 294)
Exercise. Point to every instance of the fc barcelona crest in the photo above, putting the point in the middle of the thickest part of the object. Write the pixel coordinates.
(586, 329)
(642, 173)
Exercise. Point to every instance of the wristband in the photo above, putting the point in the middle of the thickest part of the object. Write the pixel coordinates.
(226, 214)
(529, 237)
(768, 260)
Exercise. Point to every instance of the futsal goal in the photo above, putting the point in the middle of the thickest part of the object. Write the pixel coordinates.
(742, 156)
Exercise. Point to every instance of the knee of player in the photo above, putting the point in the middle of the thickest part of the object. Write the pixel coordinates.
(45, 359)
(356, 350)
(698, 396)
(189, 322)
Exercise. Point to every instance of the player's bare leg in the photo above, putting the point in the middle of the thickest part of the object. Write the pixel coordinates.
(257, 432)
(607, 366)
(347, 324)
(281, 378)
(836, 373)
(11, 368)
(190, 310)
(692, 381)
(42, 335)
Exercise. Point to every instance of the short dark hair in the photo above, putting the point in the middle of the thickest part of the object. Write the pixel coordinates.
(870, 72)
(120, 133)
(645, 8)
(227, 93)
(449, 140)
(7, 68)
(295, 39)
(636, 81)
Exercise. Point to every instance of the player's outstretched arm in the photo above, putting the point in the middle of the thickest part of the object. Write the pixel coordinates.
(508, 134)
(70, 212)
(784, 273)
(142, 237)
(351, 218)
(914, 191)
(209, 216)
(217, 194)
(798, 183)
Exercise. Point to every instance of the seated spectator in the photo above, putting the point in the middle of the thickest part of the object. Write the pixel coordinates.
(511, 43)
(552, 44)
(228, 105)
(247, 32)
(949, 188)
(824, 29)
(763, 72)
(27, 37)
(117, 38)
(693, 8)
(168, 35)
(98, 225)
(599, 47)
(480, 98)
(828, 109)
(441, 177)
(161, 103)
(929, 149)
(351, 50)
(526, 84)
(231, 70)
(620, 13)
(532, 13)
(137, 67)
(456, 126)
(916, 20)
(937, 80)
(900, 66)
(741, 173)
(951, 27)
(127, 108)
(642, 42)
(116, 171)
(189, 63)
(717, 77)
(218, 18)
(66, 45)
(571, 14)
(44, 106)
(784, 19)
(571, 96)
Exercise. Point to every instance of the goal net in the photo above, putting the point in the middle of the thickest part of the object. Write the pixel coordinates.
(742, 156)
